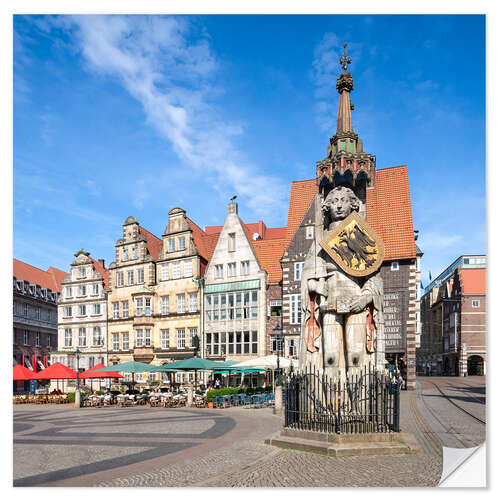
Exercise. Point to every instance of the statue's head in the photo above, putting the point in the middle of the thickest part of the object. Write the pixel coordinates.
(340, 202)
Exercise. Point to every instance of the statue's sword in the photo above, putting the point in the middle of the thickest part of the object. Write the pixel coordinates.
(313, 329)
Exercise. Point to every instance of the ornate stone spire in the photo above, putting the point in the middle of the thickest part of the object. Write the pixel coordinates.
(344, 87)
(346, 163)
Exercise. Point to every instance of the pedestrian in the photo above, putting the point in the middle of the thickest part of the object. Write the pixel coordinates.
(217, 384)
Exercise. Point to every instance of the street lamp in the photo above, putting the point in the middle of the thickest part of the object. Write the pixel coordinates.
(279, 338)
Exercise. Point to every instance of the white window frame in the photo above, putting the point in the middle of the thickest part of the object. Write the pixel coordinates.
(176, 270)
(130, 277)
(171, 244)
(231, 269)
(181, 338)
(96, 336)
(147, 337)
(476, 303)
(395, 266)
(125, 341)
(95, 289)
(148, 310)
(298, 267)
(69, 292)
(26, 337)
(188, 268)
(182, 243)
(134, 253)
(116, 341)
(245, 267)
(68, 337)
(181, 303)
(140, 275)
(38, 338)
(119, 279)
(116, 310)
(82, 336)
(295, 309)
(139, 306)
(164, 272)
(97, 309)
(193, 302)
(125, 308)
(125, 254)
(139, 338)
(165, 339)
(68, 312)
(219, 271)
(82, 310)
(165, 304)
(82, 272)
(193, 333)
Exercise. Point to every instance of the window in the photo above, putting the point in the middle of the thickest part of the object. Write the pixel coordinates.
(68, 337)
(95, 289)
(97, 309)
(96, 337)
(181, 303)
(193, 337)
(25, 310)
(276, 343)
(139, 304)
(49, 315)
(37, 339)
(394, 266)
(298, 270)
(182, 243)
(69, 292)
(116, 342)
(147, 303)
(231, 269)
(219, 273)
(165, 305)
(245, 267)
(165, 341)
(147, 337)
(134, 252)
(164, 272)
(188, 268)
(26, 337)
(82, 337)
(125, 254)
(231, 242)
(82, 290)
(140, 275)
(48, 340)
(309, 232)
(125, 343)
(68, 312)
(193, 302)
(139, 338)
(82, 272)
(476, 303)
(119, 279)
(292, 348)
(237, 343)
(125, 309)
(130, 278)
(116, 310)
(176, 270)
(181, 338)
(171, 245)
(82, 310)
(295, 310)
(275, 307)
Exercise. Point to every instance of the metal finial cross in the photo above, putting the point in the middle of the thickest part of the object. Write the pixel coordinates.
(345, 59)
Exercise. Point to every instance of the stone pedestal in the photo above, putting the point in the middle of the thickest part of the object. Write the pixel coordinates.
(77, 399)
(345, 444)
(278, 400)
(189, 402)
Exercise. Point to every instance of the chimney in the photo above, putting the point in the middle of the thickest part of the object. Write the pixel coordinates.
(101, 261)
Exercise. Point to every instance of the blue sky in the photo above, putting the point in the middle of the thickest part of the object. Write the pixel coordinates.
(132, 115)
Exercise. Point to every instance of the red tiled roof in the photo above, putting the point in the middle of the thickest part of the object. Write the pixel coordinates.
(50, 279)
(275, 233)
(210, 241)
(269, 253)
(152, 242)
(301, 195)
(388, 211)
(473, 281)
(102, 271)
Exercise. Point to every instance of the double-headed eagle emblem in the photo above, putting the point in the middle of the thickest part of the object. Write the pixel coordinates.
(355, 246)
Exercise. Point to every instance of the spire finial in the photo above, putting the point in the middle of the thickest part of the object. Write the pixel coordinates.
(345, 60)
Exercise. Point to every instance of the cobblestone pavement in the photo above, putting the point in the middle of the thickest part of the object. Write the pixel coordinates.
(449, 404)
(202, 447)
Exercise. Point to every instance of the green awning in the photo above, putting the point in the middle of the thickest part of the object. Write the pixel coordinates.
(127, 367)
(233, 287)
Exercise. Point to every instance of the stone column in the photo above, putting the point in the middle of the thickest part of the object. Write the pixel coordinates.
(190, 395)
(77, 399)
(278, 400)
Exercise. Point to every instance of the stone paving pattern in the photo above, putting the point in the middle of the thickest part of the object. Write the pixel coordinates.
(207, 447)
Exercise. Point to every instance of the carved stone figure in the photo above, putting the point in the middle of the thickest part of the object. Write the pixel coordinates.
(342, 313)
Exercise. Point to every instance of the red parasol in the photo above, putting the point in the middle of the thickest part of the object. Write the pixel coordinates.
(22, 373)
(55, 371)
(89, 373)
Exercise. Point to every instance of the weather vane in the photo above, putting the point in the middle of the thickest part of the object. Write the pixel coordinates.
(345, 59)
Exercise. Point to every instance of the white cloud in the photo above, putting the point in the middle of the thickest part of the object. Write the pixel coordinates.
(169, 70)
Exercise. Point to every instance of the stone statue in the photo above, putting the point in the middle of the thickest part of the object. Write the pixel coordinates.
(342, 324)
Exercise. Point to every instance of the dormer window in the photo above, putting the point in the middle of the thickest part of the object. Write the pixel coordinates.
(182, 243)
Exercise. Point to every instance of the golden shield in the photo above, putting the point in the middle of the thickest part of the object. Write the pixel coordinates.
(355, 246)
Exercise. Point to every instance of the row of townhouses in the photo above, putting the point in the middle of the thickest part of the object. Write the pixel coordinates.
(233, 291)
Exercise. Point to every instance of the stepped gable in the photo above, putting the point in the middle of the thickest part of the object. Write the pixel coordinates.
(51, 279)
(153, 243)
(102, 271)
(388, 211)
(473, 281)
(301, 195)
(269, 253)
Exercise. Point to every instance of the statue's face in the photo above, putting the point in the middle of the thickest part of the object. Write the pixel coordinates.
(340, 202)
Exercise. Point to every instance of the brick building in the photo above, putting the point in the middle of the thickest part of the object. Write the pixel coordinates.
(453, 309)
(35, 297)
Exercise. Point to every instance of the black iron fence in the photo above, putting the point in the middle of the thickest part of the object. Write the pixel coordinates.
(362, 402)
